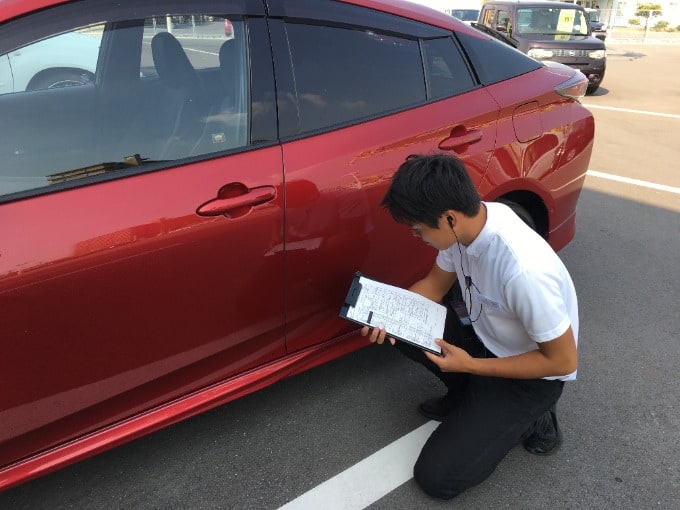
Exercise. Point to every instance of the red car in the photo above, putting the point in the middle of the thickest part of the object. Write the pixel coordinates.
(173, 240)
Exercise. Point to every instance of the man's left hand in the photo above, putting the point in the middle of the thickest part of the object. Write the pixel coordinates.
(452, 359)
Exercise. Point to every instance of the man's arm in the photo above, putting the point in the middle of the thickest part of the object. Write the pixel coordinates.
(435, 285)
(552, 358)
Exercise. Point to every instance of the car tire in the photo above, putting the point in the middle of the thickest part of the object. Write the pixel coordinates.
(521, 212)
(58, 78)
(591, 89)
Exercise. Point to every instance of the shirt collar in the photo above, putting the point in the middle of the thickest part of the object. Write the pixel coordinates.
(483, 240)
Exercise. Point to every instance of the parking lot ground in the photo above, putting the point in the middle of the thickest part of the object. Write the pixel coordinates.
(638, 75)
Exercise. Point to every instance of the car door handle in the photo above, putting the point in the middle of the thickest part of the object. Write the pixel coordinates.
(460, 138)
(236, 199)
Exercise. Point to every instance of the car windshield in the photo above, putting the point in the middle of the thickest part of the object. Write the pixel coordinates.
(551, 21)
(594, 16)
(465, 14)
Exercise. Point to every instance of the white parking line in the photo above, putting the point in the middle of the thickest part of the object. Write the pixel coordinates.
(370, 479)
(636, 182)
(628, 110)
(202, 51)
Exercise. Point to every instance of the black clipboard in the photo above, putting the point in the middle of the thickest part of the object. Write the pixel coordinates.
(350, 302)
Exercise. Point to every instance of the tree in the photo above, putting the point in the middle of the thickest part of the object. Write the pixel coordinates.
(648, 11)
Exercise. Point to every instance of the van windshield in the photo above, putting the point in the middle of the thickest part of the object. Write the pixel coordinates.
(551, 21)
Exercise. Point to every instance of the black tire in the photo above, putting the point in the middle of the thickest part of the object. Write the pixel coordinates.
(592, 89)
(521, 212)
(59, 78)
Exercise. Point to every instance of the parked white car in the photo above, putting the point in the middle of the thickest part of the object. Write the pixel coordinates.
(62, 61)
(464, 10)
(470, 15)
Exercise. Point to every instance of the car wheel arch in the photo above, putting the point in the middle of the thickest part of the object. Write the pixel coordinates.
(530, 208)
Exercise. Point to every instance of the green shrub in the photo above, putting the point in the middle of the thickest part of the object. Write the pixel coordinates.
(660, 26)
(634, 21)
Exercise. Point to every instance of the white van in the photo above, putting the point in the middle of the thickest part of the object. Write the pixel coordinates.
(465, 10)
(467, 14)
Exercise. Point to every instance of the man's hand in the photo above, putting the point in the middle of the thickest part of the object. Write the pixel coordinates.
(452, 359)
(551, 358)
(377, 335)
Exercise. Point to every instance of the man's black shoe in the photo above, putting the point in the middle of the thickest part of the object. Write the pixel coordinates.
(546, 437)
(436, 408)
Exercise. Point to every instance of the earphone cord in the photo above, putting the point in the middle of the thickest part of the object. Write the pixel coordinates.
(469, 284)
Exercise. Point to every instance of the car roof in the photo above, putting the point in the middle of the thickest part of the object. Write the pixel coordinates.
(14, 8)
(412, 10)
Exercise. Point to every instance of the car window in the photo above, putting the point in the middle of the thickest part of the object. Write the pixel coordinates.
(212, 31)
(465, 14)
(447, 72)
(161, 89)
(487, 17)
(495, 61)
(343, 74)
(64, 60)
(503, 20)
(551, 21)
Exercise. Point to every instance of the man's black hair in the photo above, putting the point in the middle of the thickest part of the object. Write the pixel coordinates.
(425, 186)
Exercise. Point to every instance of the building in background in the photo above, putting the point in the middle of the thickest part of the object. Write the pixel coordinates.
(618, 13)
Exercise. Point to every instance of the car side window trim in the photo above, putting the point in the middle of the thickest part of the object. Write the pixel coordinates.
(340, 14)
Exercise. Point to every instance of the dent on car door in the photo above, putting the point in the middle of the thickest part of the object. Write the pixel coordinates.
(362, 106)
(127, 283)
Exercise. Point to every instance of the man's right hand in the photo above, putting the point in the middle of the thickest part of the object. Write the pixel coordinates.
(377, 335)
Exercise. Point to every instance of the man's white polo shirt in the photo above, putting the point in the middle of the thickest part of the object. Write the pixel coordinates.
(520, 292)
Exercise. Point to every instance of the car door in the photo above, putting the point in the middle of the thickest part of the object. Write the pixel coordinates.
(138, 219)
(367, 90)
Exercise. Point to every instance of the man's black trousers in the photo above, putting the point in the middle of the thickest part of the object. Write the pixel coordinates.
(490, 416)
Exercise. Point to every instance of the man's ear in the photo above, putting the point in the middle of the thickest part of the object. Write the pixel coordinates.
(451, 218)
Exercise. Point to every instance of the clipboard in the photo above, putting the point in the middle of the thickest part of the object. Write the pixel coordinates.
(408, 317)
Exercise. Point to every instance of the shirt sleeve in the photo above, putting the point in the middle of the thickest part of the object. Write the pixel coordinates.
(537, 300)
(445, 261)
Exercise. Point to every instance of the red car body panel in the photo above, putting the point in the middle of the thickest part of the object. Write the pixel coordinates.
(186, 312)
(552, 165)
(13, 8)
(342, 173)
(176, 410)
(128, 239)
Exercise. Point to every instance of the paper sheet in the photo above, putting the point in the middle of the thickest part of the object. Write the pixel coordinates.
(405, 315)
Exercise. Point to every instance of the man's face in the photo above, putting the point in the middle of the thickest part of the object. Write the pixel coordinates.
(440, 238)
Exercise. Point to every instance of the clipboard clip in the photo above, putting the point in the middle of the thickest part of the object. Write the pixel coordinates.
(354, 291)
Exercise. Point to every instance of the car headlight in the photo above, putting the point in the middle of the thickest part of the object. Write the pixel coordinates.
(597, 54)
(540, 53)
